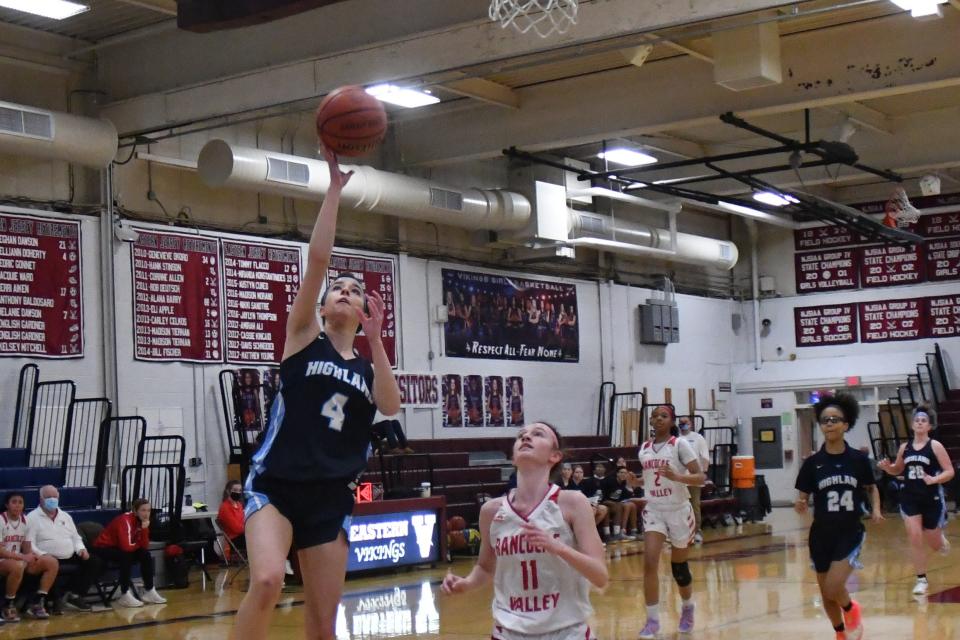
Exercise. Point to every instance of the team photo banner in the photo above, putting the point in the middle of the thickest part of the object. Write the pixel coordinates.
(500, 318)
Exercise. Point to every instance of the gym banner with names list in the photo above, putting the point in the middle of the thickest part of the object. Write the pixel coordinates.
(41, 292)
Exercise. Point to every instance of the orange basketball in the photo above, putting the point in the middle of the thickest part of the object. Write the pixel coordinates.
(351, 122)
(456, 523)
(457, 541)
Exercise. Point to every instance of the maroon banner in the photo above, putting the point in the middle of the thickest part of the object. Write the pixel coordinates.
(890, 265)
(939, 225)
(41, 297)
(825, 325)
(943, 259)
(943, 316)
(891, 320)
(826, 270)
(380, 275)
(260, 282)
(825, 237)
(176, 280)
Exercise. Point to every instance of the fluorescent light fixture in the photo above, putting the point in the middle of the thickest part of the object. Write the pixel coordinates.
(402, 97)
(56, 9)
(627, 157)
(774, 199)
(920, 8)
(747, 211)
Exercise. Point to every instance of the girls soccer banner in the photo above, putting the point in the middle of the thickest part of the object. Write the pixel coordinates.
(500, 318)
(41, 297)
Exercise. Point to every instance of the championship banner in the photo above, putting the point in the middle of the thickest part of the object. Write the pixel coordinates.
(260, 281)
(943, 259)
(891, 320)
(890, 264)
(41, 295)
(825, 325)
(176, 311)
(380, 275)
(943, 316)
(500, 318)
(826, 270)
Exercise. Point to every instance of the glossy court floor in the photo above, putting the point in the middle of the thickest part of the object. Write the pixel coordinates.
(752, 582)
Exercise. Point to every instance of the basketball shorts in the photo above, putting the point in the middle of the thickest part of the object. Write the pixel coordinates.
(677, 523)
(579, 631)
(317, 511)
(931, 509)
(831, 543)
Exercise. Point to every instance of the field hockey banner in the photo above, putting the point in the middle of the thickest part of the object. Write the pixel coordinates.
(499, 318)
(41, 298)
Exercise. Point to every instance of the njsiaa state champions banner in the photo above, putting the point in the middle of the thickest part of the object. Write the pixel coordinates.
(500, 318)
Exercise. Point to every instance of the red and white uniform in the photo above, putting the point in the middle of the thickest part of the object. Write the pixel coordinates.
(536, 593)
(668, 509)
(13, 532)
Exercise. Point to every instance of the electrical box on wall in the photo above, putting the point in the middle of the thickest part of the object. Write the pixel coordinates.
(659, 322)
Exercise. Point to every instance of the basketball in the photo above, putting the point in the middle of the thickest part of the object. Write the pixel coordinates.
(351, 122)
(456, 523)
(457, 541)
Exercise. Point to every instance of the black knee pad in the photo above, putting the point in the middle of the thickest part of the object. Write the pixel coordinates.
(681, 573)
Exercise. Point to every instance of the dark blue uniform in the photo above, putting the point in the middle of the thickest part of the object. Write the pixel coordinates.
(917, 498)
(316, 443)
(837, 483)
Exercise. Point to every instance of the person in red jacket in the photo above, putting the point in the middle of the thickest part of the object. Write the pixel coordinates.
(125, 541)
(230, 516)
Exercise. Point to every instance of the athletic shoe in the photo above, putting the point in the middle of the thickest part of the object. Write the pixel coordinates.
(920, 588)
(698, 538)
(651, 630)
(127, 599)
(945, 546)
(38, 611)
(686, 620)
(10, 614)
(73, 601)
(852, 621)
(152, 597)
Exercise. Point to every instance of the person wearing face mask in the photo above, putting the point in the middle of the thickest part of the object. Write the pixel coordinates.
(699, 445)
(230, 516)
(126, 540)
(51, 531)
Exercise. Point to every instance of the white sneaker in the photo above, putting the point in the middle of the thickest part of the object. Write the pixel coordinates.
(127, 599)
(945, 547)
(288, 568)
(921, 587)
(698, 538)
(152, 597)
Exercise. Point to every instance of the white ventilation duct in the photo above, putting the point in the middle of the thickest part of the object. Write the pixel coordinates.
(222, 165)
(52, 135)
(633, 238)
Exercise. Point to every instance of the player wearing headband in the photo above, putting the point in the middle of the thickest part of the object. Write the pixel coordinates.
(925, 467)
(540, 548)
(299, 491)
(669, 465)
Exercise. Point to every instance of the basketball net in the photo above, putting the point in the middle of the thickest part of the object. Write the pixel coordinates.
(898, 211)
(545, 17)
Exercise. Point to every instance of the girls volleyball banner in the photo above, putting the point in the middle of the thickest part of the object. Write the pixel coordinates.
(41, 297)
(501, 318)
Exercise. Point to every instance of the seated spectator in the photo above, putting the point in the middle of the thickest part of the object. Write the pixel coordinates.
(230, 516)
(575, 483)
(125, 541)
(14, 563)
(616, 489)
(51, 531)
(566, 481)
(595, 488)
(393, 433)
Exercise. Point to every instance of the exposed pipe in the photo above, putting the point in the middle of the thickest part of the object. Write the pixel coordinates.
(755, 282)
(54, 135)
(221, 164)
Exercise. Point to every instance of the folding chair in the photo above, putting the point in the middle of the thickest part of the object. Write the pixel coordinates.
(234, 550)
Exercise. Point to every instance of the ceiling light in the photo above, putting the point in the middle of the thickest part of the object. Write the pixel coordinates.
(747, 211)
(627, 157)
(56, 9)
(920, 8)
(402, 97)
(773, 199)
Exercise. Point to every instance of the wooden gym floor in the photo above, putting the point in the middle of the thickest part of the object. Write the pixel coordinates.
(751, 582)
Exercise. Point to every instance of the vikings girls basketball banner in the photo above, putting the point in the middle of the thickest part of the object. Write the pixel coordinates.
(500, 318)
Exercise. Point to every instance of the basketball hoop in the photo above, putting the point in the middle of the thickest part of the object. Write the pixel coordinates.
(899, 212)
(545, 17)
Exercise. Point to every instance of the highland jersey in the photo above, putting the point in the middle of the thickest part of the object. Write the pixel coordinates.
(535, 592)
(660, 492)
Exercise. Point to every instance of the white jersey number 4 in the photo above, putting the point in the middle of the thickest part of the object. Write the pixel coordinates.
(333, 411)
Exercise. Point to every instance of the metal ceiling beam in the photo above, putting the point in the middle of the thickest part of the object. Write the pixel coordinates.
(825, 70)
(866, 117)
(485, 91)
(166, 7)
(690, 49)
